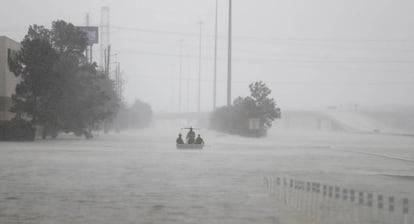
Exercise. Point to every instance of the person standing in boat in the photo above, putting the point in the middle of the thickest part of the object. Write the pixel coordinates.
(190, 136)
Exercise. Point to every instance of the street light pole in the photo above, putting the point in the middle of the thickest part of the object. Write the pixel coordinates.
(215, 61)
(229, 56)
(181, 77)
(87, 46)
(199, 69)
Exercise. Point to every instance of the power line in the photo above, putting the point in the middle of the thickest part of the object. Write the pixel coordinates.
(270, 52)
(295, 39)
(256, 38)
(309, 83)
(278, 60)
(404, 48)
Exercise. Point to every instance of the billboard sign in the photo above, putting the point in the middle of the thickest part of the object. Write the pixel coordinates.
(92, 33)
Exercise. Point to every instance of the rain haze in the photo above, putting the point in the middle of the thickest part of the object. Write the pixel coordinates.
(312, 53)
(323, 134)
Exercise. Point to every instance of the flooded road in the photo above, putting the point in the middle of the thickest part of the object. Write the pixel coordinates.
(139, 176)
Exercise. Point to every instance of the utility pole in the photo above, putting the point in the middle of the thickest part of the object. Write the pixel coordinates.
(188, 93)
(215, 61)
(108, 61)
(199, 69)
(229, 57)
(118, 80)
(181, 77)
(87, 47)
(104, 33)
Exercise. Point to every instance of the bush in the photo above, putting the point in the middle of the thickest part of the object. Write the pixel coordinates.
(235, 119)
(16, 130)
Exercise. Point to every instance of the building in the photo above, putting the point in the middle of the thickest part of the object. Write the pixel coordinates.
(8, 80)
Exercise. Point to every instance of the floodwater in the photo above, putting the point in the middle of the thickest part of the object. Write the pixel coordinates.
(140, 177)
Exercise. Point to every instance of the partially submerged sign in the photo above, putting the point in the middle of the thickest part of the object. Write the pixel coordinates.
(254, 124)
(92, 33)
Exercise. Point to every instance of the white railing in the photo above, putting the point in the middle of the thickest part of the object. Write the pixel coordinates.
(328, 204)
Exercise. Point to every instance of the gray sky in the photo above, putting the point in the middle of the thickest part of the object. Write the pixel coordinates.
(311, 53)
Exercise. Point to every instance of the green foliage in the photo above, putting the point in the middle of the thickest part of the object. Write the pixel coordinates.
(67, 39)
(260, 105)
(34, 65)
(234, 119)
(59, 89)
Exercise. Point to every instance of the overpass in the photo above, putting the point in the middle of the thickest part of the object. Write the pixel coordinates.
(186, 115)
(326, 120)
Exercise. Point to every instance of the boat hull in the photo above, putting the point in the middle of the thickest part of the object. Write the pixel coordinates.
(189, 146)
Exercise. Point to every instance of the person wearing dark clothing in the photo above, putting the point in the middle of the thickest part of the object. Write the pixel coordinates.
(190, 136)
(199, 140)
(179, 140)
(191, 140)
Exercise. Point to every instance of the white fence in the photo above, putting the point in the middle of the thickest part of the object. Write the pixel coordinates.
(329, 204)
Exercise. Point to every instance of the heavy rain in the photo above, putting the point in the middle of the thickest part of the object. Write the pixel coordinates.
(207, 111)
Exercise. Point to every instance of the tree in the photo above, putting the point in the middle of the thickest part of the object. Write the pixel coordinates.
(60, 90)
(34, 64)
(261, 105)
(235, 118)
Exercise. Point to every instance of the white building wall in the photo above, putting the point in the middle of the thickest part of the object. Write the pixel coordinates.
(8, 80)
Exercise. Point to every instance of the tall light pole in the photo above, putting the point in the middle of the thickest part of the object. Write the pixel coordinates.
(199, 69)
(181, 76)
(87, 47)
(229, 57)
(215, 61)
(104, 35)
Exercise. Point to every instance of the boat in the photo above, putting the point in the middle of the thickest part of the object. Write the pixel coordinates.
(186, 145)
(190, 146)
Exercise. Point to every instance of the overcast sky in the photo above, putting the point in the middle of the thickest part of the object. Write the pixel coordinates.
(311, 53)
